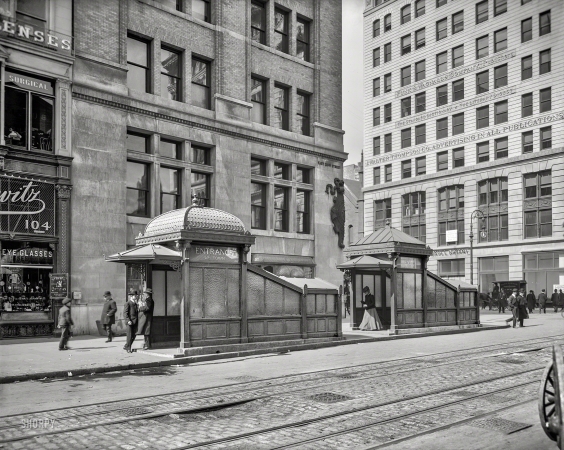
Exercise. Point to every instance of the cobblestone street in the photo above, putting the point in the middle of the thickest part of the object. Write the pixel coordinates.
(352, 405)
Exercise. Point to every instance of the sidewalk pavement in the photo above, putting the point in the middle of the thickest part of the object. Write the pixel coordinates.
(38, 358)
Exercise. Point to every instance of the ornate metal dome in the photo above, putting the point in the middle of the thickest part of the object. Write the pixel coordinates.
(194, 218)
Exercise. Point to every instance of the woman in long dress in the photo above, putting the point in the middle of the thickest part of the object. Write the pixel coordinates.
(370, 321)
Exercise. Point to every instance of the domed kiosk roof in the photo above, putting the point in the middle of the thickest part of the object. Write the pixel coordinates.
(191, 223)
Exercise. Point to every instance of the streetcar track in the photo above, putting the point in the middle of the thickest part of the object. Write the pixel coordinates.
(477, 353)
(329, 374)
(325, 417)
(184, 410)
(356, 411)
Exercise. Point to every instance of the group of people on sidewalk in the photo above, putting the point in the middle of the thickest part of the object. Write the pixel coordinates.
(522, 305)
(557, 299)
(137, 312)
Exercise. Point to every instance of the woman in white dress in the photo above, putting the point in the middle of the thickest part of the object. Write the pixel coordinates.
(370, 321)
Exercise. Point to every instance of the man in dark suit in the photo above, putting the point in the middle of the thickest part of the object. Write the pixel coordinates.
(108, 314)
(65, 323)
(146, 305)
(130, 314)
(554, 298)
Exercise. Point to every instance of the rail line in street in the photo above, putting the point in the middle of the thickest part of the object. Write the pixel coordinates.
(475, 367)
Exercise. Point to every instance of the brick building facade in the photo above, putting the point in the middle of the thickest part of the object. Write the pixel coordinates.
(235, 102)
(462, 113)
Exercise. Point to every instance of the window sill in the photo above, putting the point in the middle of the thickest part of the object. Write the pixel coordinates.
(282, 54)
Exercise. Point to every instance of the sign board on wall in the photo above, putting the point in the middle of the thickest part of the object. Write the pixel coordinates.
(27, 206)
(213, 254)
(452, 236)
(59, 285)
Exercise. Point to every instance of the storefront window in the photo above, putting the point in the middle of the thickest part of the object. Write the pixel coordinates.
(543, 270)
(28, 115)
(492, 269)
(24, 279)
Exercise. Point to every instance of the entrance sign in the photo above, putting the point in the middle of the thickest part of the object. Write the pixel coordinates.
(214, 254)
(27, 206)
(59, 285)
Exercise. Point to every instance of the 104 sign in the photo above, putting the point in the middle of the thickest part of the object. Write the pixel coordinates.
(27, 206)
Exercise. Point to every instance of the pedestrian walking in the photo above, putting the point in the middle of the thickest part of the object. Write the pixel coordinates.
(555, 300)
(502, 301)
(65, 323)
(542, 301)
(370, 321)
(531, 301)
(130, 314)
(522, 305)
(145, 306)
(514, 307)
(108, 314)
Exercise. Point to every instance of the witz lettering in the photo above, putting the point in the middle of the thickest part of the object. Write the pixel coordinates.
(25, 32)
(25, 194)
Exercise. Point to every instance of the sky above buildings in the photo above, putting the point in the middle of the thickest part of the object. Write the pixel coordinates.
(352, 78)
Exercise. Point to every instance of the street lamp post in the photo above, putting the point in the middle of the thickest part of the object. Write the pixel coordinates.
(483, 234)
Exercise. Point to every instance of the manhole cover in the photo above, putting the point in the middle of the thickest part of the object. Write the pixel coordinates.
(513, 361)
(329, 397)
(243, 378)
(498, 424)
(135, 412)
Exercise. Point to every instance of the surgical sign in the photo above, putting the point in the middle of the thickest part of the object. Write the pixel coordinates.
(27, 206)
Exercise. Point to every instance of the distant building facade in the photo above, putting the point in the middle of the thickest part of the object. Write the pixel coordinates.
(234, 103)
(463, 113)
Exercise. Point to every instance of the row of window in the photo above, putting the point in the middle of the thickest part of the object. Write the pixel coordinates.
(483, 154)
(482, 13)
(280, 102)
(140, 177)
(491, 192)
(482, 82)
(139, 73)
(281, 27)
(482, 117)
(200, 8)
(266, 175)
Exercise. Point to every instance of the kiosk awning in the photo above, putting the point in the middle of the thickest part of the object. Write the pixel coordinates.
(312, 283)
(152, 253)
(365, 262)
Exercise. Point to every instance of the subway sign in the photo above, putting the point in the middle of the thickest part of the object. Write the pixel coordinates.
(27, 206)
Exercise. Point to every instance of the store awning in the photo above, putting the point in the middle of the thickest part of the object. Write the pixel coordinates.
(365, 262)
(151, 253)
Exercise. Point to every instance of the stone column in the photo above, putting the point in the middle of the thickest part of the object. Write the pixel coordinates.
(63, 222)
(184, 247)
(63, 117)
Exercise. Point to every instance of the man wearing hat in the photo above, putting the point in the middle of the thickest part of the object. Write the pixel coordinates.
(130, 315)
(108, 314)
(65, 323)
(146, 306)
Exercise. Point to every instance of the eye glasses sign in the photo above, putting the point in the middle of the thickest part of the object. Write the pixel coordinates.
(27, 206)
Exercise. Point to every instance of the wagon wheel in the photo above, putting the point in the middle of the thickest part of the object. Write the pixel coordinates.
(551, 398)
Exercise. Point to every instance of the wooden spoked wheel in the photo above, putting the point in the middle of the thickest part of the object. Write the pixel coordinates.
(551, 398)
